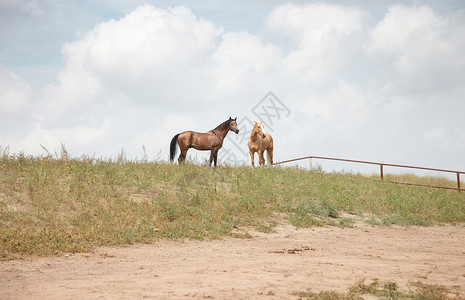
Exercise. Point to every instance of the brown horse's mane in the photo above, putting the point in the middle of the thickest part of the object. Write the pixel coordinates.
(223, 125)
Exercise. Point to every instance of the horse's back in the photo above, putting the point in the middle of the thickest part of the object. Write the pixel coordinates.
(196, 140)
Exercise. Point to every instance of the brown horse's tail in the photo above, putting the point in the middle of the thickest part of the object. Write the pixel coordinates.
(174, 141)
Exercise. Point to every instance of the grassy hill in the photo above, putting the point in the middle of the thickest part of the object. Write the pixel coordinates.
(49, 205)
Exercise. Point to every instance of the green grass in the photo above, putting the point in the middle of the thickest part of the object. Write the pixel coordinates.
(52, 205)
(385, 290)
(423, 180)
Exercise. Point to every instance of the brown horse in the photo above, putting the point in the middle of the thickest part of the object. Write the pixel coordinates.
(260, 141)
(212, 140)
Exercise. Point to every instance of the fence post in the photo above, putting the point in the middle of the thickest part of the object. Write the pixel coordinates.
(458, 181)
(381, 169)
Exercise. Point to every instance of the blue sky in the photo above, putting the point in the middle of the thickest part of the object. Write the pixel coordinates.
(369, 80)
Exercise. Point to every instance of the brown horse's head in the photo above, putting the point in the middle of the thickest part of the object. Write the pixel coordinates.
(260, 128)
(233, 125)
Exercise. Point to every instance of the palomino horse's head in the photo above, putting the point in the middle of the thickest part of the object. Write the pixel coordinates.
(233, 125)
(259, 127)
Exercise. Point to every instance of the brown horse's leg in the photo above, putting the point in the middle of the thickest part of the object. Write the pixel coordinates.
(211, 159)
(184, 142)
(182, 156)
(214, 156)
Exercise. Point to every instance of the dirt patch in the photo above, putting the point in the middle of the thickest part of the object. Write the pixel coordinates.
(266, 266)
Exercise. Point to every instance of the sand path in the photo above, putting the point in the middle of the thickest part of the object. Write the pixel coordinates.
(266, 266)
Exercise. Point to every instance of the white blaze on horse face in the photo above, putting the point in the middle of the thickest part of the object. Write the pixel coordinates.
(261, 129)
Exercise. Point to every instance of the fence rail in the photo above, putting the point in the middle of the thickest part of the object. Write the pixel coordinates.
(381, 167)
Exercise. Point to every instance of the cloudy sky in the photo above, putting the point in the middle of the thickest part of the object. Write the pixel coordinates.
(371, 80)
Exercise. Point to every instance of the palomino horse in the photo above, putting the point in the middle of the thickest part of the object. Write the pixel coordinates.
(260, 141)
(212, 140)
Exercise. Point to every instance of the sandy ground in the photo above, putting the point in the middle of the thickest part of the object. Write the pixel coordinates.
(266, 266)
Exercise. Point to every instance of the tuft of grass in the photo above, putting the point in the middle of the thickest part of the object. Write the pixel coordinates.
(423, 180)
(386, 290)
(53, 204)
(342, 223)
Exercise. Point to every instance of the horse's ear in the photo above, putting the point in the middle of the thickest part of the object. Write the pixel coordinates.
(230, 118)
(256, 122)
(235, 118)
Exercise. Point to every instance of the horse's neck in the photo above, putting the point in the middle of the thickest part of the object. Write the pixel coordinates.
(254, 134)
(222, 132)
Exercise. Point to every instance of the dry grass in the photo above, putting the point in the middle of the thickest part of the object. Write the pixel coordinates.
(386, 290)
(52, 204)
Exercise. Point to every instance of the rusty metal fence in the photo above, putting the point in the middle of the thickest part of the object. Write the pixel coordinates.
(381, 167)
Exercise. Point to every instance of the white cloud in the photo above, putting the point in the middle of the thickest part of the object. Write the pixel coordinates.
(9, 3)
(33, 8)
(75, 138)
(151, 57)
(14, 92)
(424, 48)
(317, 26)
(150, 38)
(243, 61)
(401, 105)
(434, 135)
(447, 140)
(402, 25)
(17, 107)
(154, 72)
(341, 109)
(317, 31)
(459, 137)
(161, 58)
